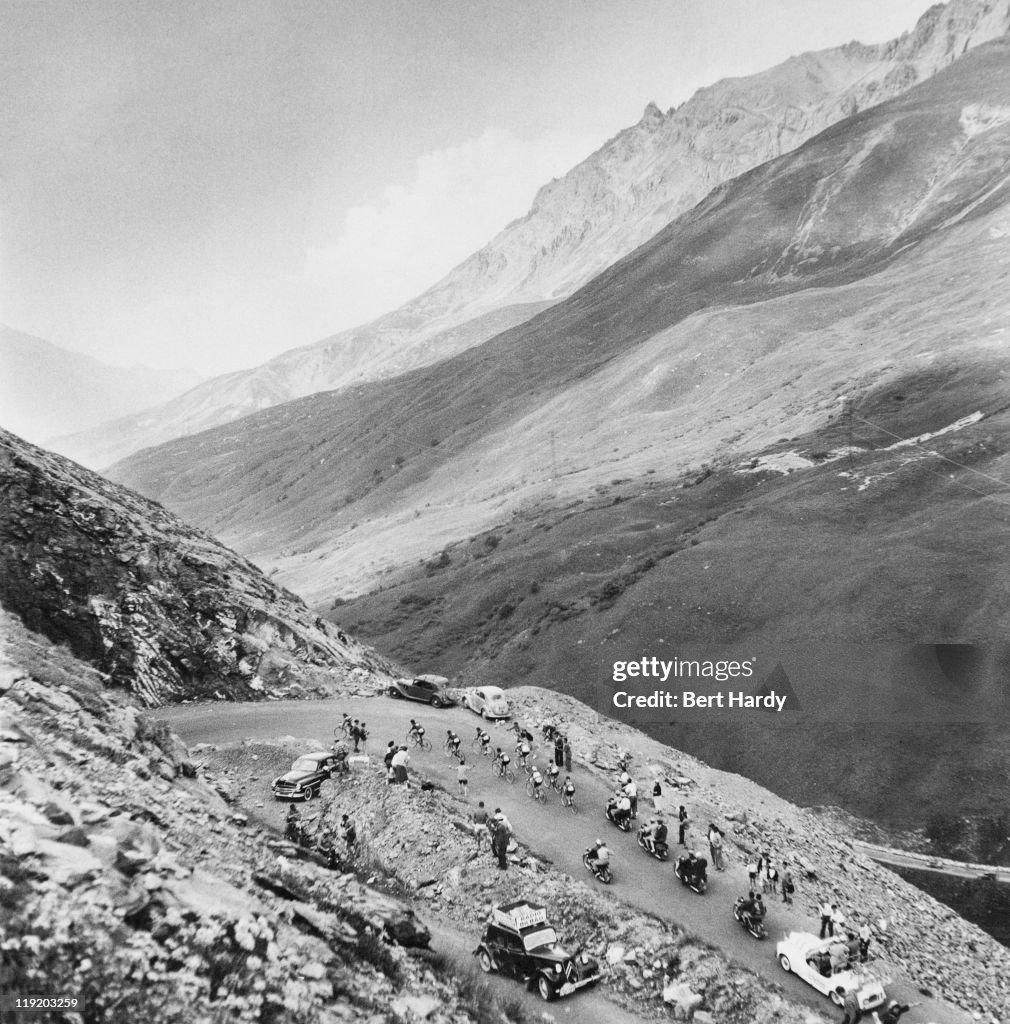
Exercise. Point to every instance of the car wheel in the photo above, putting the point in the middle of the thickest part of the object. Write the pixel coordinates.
(436, 702)
(784, 962)
(483, 713)
(545, 988)
(484, 959)
(837, 997)
(394, 692)
(309, 794)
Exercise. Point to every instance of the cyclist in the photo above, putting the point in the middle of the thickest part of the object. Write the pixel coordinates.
(416, 731)
(523, 750)
(345, 724)
(568, 792)
(502, 760)
(485, 739)
(553, 771)
(538, 780)
(453, 742)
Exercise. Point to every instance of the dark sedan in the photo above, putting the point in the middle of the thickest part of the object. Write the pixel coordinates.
(428, 689)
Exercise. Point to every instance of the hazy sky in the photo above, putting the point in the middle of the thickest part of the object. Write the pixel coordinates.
(207, 184)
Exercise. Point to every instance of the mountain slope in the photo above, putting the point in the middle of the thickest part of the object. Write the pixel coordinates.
(578, 225)
(46, 390)
(742, 322)
(164, 610)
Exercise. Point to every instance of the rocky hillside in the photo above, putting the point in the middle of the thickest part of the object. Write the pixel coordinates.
(129, 884)
(612, 202)
(161, 609)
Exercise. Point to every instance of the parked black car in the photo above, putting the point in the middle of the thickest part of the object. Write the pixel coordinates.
(427, 689)
(519, 942)
(306, 776)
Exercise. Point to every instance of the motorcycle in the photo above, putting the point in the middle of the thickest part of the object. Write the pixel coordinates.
(623, 824)
(658, 850)
(695, 880)
(601, 872)
(754, 925)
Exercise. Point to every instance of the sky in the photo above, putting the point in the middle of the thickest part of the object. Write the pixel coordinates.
(188, 183)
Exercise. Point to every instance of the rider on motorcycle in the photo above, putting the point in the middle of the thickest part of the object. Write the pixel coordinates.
(622, 809)
(654, 833)
(752, 909)
(599, 855)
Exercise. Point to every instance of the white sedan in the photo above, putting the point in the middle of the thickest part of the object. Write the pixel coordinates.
(808, 957)
(487, 701)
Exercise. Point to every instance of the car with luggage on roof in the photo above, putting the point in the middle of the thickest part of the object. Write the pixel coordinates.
(518, 942)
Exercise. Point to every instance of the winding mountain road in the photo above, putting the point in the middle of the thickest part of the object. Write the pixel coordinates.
(639, 880)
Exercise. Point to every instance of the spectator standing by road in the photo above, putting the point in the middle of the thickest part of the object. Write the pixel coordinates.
(753, 868)
(865, 935)
(684, 821)
(559, 751)
(657, 797)
(788, 885)
(400, 761)
(480, 821)
(631, 792)
(852, 1013)
(568, 755)
(461, 774)
(827, 924)
(715, 846)
(837, 920)
(500, 841)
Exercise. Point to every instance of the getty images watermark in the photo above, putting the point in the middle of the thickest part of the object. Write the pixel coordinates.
(926, 683)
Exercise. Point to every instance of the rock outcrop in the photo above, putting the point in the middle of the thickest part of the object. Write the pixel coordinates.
(162, 609)
(146, 898)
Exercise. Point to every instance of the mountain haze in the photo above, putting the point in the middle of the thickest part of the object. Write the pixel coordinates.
(46, 390)
(578, 225)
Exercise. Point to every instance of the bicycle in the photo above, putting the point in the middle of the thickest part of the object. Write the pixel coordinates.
(554, 781)
(503, 771)
(478, 746)
(568, 800)
(452, 750)
(417, 739)
(535, 792)
(343, 731)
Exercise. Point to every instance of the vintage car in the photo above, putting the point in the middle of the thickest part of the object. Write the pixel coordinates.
(307, 774)
(518, 941)
(808, 957)
(428, 689)
(487, 701)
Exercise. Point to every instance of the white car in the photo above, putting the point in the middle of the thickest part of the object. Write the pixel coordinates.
(803, 953)
(487, 701)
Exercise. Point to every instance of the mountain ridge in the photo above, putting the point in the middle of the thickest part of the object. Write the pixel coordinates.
(601, 210)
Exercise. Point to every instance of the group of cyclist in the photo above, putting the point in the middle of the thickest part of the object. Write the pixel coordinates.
(538, 781)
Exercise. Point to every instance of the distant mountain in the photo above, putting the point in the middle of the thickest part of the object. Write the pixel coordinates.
(46, 390)
(162, 609)
(862, 265)
(578, 225)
